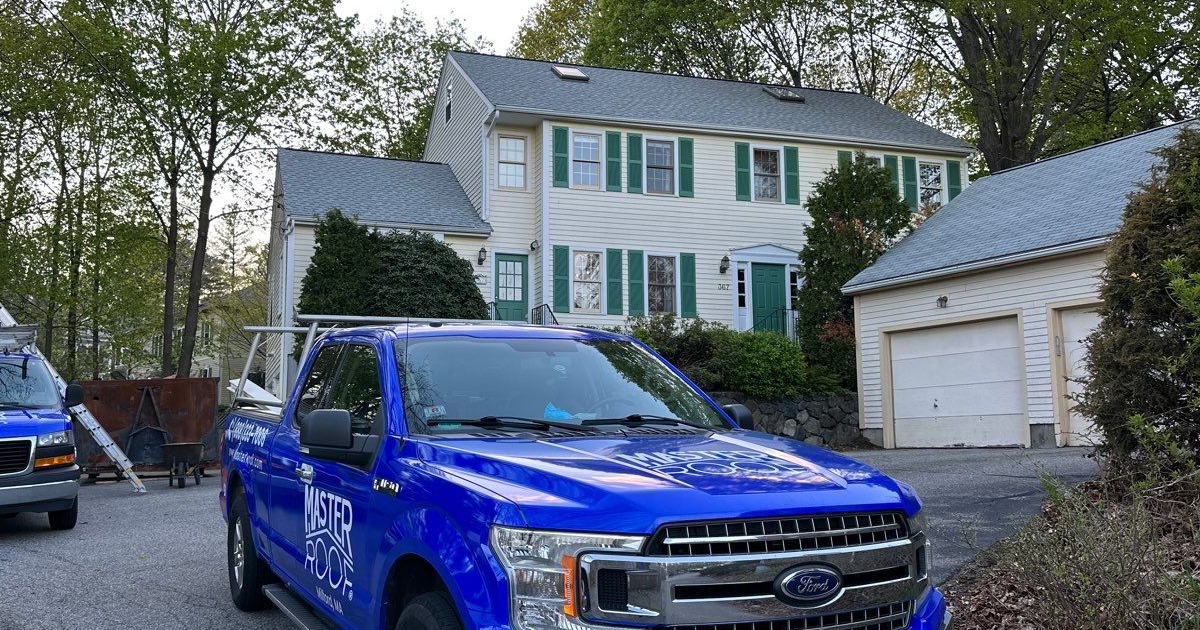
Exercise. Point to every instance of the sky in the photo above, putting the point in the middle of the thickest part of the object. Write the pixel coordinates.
(495, 20)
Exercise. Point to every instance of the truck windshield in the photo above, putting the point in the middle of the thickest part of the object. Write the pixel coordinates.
(25, 383)
(565, 380)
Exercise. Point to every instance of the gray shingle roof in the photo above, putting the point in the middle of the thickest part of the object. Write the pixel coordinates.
(377, 190)
(624, 95)
(1074, 198)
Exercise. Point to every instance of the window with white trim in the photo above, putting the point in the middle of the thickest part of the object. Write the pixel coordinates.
(660, 167)
(586, 277)
(766, 174)
(660, 283)
(930, 183)
(741, 287)
(585, 160)
(510, 172)
(873, 160)
(794, 282)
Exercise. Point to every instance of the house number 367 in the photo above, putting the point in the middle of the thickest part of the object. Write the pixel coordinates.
(724, 286)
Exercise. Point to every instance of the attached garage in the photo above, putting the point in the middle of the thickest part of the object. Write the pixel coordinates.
(971, 330)
(958, 385)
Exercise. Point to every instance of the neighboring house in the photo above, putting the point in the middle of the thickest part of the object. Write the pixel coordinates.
(214, 357)
(585, 195)
(970, 329)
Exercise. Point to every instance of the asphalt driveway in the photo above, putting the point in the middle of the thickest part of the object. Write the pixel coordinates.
(975, 497)
(157, 561)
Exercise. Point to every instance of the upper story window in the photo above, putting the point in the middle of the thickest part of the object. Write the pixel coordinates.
(449, 98)
(586, 276)
(585, 160)
(873, 160)
(930, 183)
(660, 167)
(660, 285)
(511, 169)
(766, 174)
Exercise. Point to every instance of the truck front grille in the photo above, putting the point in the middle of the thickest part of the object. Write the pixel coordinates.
(886, 617)
(14, 456)
(754, 536)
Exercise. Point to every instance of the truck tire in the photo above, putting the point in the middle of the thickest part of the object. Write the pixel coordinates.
(247, 572)
(65, 519)
(429, 611)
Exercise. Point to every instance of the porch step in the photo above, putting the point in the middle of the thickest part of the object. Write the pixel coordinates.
(296, 610)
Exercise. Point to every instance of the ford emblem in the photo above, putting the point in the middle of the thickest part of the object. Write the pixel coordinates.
(808, 584)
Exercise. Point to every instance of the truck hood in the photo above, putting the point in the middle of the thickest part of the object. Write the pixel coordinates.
(633, 483)
(24, 422)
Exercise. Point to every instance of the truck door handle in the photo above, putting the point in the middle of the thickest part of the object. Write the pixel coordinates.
(304, 472)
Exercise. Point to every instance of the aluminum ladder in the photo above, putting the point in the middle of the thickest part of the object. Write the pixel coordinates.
(81, 413)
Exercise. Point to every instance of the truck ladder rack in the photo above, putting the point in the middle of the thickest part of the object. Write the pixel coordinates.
(80, 412)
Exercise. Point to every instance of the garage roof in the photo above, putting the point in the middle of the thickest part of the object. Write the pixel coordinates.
(515, 84)
(379, 191)
(1070, 201)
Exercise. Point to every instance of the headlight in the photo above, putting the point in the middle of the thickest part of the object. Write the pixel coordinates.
(543, 573)
(55, 439)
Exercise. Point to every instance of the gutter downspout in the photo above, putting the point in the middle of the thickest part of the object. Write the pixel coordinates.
(489, 125)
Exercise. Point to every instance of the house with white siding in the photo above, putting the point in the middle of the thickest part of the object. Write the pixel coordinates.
(971, 329)
(586, 195)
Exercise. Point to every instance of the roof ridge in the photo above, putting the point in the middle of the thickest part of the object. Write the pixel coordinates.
(1096, 146)
(655, 72)
(361, 155)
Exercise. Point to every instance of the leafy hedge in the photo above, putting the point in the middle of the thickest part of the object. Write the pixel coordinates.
(358, 271)
(716, 358)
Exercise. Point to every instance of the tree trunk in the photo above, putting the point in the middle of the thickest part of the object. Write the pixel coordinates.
(168, 326)
(74, 233)
(60, 207)
(187, 345)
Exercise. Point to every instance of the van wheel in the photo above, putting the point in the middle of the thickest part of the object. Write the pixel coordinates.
(247, 572)
(65, 519)
(430, 611)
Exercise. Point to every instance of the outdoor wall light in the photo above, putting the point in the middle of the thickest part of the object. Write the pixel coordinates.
(534, 245)
(942, 301)
(482, 255)
(725, 263)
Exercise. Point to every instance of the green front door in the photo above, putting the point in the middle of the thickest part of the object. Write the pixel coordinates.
(769, 293)
(512, 287)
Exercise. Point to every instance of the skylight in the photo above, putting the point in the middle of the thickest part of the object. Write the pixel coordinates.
(569, 73)
(784, 93)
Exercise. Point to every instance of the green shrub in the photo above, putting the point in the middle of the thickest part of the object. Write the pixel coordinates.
(716, 358)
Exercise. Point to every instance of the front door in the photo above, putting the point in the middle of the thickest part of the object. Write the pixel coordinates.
(769, 297)
(512, 287)
(1076, 325)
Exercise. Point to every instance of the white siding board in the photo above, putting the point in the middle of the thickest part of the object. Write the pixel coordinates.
(1028, 287)
(459, 141)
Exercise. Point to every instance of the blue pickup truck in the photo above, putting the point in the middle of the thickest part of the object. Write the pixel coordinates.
(38, 472)
(449, 476)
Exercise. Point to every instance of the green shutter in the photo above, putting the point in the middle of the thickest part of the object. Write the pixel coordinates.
(562, 279)
(637, 292)
(686, 168)
(561, 165)
(910, 182)
(954, 178)
(687, 285)
(845, 159)
(612, 154)
(614, 282)
(791, 175)
(741, 154)
(633, 166)
(892, 164)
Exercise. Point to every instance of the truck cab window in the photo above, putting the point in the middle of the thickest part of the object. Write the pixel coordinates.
(317, 381)
(356, 388)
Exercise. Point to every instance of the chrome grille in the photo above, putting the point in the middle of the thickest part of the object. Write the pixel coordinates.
(752, 536)
(886, 617)
(14, 456)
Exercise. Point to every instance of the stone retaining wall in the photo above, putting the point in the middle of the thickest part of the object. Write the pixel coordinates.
(829, 420)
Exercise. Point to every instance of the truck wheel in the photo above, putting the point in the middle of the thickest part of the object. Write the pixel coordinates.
(430, 611)
(247, 572)
(65, 519)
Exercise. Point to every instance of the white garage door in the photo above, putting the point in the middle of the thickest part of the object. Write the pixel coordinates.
(959, 385)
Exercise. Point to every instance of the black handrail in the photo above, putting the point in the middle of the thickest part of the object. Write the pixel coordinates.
(543, 315)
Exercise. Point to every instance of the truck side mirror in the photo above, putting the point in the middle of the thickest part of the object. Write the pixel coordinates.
(741, 415)
(326, 429)
(74, 395)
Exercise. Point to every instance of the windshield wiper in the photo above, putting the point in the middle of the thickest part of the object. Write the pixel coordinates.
(636, 419)
(514, 422)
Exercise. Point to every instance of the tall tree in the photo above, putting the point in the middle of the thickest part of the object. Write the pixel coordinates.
(554, 30)
(382, 98)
